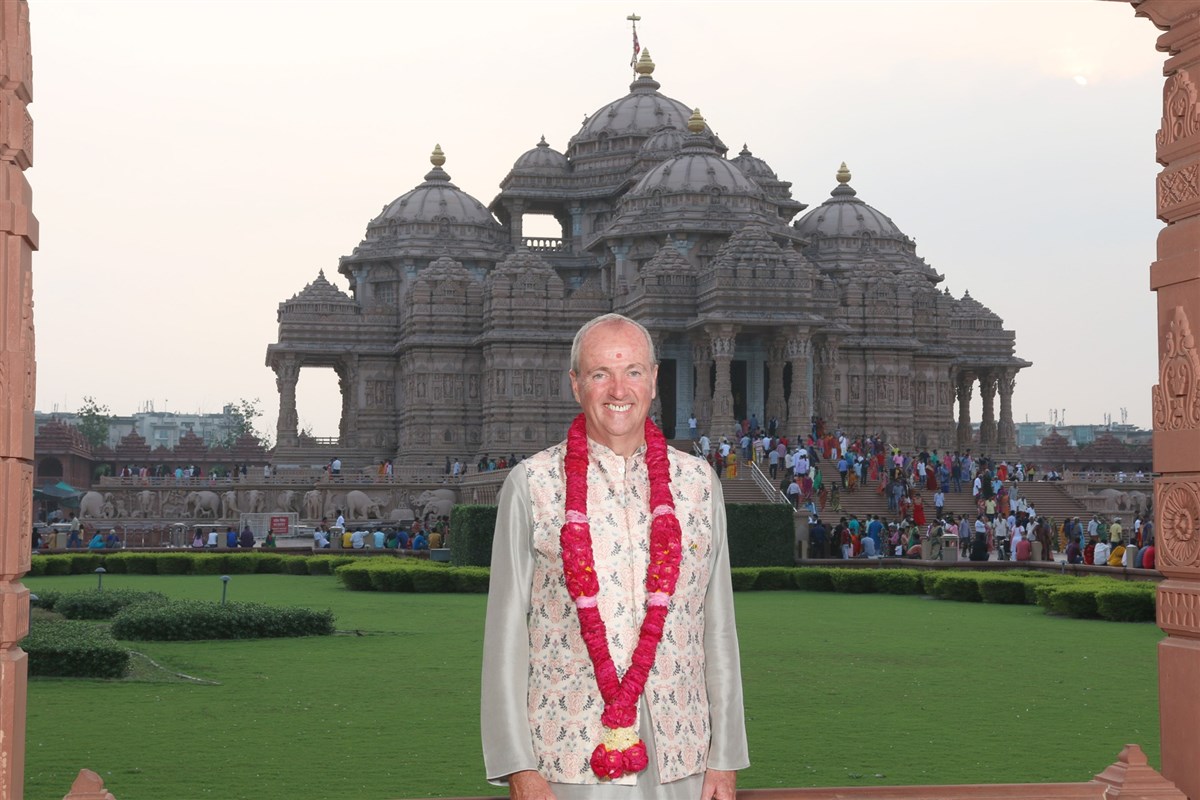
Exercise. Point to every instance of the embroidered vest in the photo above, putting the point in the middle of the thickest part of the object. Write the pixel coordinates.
(564, 701)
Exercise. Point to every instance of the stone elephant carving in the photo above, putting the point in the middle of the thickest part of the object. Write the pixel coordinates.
(1112, 499)
(229, 505)
(288, 500)
(92, 505)
(312, 504)
(359, 505)
(1138, 503)
(203, 505)
(437, 502)
(256, 501)
(145, 501)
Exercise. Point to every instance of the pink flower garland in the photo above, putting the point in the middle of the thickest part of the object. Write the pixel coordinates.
(621, 751)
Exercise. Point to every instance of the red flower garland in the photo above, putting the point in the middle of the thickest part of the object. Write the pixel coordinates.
(622, 750)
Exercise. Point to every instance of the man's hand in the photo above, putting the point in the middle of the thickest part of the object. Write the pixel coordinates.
(530, 785)
(719, 784)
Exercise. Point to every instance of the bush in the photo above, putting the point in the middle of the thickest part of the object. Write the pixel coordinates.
(296, 565)
(56, 565)
(1043, 592)
(327, 565)
(393, 577)
(774, 578)
(94, 604)
(141, 563)
(355, 577)
(240, 562)
(37, 565)
(46, 598)
(210, 564)
(853, 581)
(193, 620)
(430, 578)
(472, 527)
(1074, 601)
(174, 563)
(951, 586)
(743, 578)
(83, 563)
(64, 649)
(761, 535)
(1126, 604)
(898, 581)
(472, 580)
(269, 563)
(929, 582)
(813, 579)
(1001, 589)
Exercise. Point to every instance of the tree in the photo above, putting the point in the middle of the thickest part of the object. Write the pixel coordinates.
(242, 415)
(92, 420)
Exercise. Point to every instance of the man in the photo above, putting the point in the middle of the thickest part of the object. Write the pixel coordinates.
(1115, 533)
(705, 445)
(247, 537)
(538, 603)
(1101, 553)
(693, 427)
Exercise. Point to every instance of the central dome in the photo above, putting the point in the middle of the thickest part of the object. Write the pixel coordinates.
(434, 201)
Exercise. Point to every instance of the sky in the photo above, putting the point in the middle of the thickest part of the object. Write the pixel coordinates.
(196, 163)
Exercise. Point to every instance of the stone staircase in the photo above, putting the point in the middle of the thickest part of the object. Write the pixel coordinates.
(741, 489)
(1049, 499)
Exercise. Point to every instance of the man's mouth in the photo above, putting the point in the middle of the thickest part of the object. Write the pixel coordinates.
(619, 408)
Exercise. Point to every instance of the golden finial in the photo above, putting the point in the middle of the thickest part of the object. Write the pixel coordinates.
(438, 157)
(696, 122)
(644, 65)
(843, 174)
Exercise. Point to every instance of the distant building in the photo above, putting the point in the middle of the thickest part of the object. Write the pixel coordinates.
(158, 428)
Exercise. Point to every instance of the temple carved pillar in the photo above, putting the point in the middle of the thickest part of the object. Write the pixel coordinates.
(799, 418)
(987, 422)
(1175, 278)
(775, 405)
(19, 231)
(516, 213)
(287, 374)
(348, 383)
(827, 356)
(1006, 433)
(962, 391)
(702, 401)
(722, 340)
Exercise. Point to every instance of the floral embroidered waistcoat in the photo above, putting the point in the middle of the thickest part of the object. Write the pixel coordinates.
(564, 701)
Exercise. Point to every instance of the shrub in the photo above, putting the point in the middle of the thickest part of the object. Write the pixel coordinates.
(774, 578)
(327, 565)
(296, 565)
(269, 563)
(743, 578)
(430, 578)
(93, 604)
(141, 563)
(65, 649)
(210, 564)
(393, 577)
(761, 535)
(174, 563)
(472, 527)
(853, 581)
(813, 579)
(57, 565)
(1001, 589)
(929, 582)
(951, 586)
(1043, 592)
(355, 577)
(83, 563)
(1074, 601)
(898, 581)
(46, 598)
(1126, 604)
(473, 580)
(37, 565)
(238, 562)
(192, 620)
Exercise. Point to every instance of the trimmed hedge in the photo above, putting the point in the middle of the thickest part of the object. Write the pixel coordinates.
(760, 535)
(1074, 601)
(773, 578)
(403, 575)
(473, 527)
(193, 620)
(94, 604)
(955, 586)
(1126, 604)
(853, 581)
(46, 598)
(1001, 589)
(898, 581)
(743, 578)
(66, 649)
(812, 579)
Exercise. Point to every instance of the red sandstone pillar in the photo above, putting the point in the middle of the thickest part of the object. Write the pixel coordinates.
(18, 239)
(1175, 277)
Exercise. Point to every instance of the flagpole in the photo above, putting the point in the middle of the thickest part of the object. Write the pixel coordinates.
(634, 19)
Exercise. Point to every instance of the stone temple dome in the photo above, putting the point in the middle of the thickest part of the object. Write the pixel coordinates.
(643, 110)
(434, 201)
(844, 215)
(665, 141)
(752, 165)
(542, 158)
(696, 167)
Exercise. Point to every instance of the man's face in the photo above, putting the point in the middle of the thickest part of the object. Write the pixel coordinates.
(614, 385)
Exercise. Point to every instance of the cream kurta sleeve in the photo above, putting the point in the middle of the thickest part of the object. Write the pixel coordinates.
(722, 663)
(504, 713)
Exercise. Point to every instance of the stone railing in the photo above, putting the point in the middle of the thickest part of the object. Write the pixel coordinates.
(542, 244)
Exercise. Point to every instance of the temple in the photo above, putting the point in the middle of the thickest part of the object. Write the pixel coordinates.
(455, 334)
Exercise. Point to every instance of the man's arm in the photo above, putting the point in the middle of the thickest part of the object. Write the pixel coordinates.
(722, 664)
(504, 713)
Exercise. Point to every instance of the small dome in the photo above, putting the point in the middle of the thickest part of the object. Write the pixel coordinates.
(665, 142)
(753, 166)
(541, 158)
(436, 200)
(844, 215)
(696, 167)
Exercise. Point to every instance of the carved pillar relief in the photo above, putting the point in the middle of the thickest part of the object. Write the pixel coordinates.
(723, 342)
(775, 405)
(828, 395)
(1006, 434)
(287, 373)
(799, 417)
(964, 384)
(987, 423)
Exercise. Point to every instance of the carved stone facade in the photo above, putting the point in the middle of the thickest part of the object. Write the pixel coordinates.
(454, 337)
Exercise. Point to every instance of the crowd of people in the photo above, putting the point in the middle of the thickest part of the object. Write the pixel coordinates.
(416, 536)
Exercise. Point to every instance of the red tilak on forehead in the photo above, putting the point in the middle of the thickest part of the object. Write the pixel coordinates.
(618, 355)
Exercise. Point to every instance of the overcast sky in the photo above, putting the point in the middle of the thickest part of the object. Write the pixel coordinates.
(196, 163)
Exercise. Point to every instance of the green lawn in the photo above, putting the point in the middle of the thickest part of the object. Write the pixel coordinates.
(840, 689)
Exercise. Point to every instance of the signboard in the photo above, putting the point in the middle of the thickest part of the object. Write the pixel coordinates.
(280, 525)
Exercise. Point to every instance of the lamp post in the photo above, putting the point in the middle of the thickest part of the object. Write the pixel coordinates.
(224, 586)
(100, 578)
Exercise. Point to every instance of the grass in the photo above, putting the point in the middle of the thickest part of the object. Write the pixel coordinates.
(840, 690)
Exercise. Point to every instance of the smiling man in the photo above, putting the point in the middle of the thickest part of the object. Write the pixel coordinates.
(612, 670)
